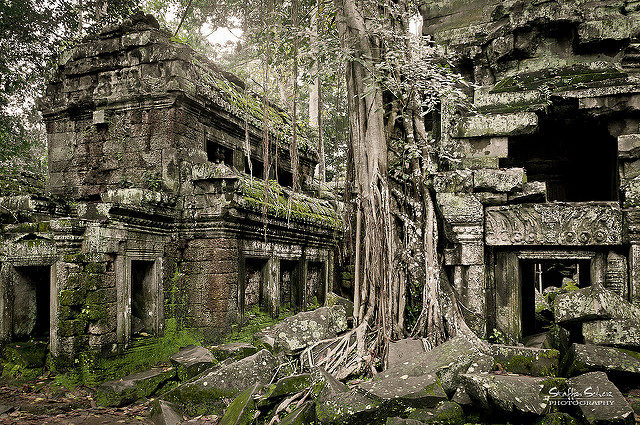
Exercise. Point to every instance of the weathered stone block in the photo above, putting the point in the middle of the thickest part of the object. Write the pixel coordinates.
(497, 125)
(403, 350)
(132, 387)
(593, 358)
(205, 394)
(592, 303)
(491, 198)
(531, 192)
(508, 393)
(460, 208)
(349, 408)
(628, 145)
(496, 147)
(620, 332)
(613, 409)
(506, 180)
(165, 413)
(527, 360)
(242, 409)
(453, 181)
(191, 361)
(235, 350)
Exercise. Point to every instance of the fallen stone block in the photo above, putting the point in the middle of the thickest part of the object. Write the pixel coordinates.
(620, 333)
(165, 413)
(485, 125)
(445, 413)
(599, 401)
(401, 421)
(205, 393)
(133, 387)
(333, 299)
(509, 393)
(303, 415)
(531, 192)
(592, 303)
(406, 391)
(403, 350)
(453, 181)
(349, 408)
(445, 362)
(325, 385)
(286, 386)
(242, 409)
(557, 418)
(191, 361)
(26, 354)
(507, 180)
(592, 358)
(526, 360)
(234, 350)
(303, 329)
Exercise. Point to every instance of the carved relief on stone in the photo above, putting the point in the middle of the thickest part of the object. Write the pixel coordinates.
(586, 223)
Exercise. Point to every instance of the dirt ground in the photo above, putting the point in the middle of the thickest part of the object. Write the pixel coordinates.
(43, 403)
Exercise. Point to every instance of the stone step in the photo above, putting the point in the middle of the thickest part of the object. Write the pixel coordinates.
(133, 387)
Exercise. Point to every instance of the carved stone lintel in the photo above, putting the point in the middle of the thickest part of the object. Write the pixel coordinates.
(579, 223)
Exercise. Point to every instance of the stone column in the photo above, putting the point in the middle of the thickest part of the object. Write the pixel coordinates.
(271, 286)
(634, 274)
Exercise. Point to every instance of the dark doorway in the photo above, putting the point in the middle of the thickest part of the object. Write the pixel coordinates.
(540, 280)
(290, 285)
(256, 169)
(253, 284)
(575, 155)
(31, 303)
(315, 283)
(143, 297)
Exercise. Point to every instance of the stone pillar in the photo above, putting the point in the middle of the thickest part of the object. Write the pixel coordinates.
(617, 275)
(634, 274)
(271, 286)
(5, 305)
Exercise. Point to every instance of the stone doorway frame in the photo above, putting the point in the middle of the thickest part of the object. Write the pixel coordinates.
(508, 268)
(7, 275)
(123, 293)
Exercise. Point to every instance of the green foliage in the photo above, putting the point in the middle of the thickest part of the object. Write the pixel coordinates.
(255, 320)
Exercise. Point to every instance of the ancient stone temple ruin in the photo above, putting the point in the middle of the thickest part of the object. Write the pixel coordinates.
(542, 181)
(157, 215)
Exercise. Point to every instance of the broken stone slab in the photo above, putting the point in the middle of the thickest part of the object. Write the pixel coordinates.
(453, 181)
(133, 387)
(205, 393)
(527, 360)
(557, 418)
(191, 361)
(629, 146)
(592, 358)
(531, 192)
(461, 397)
(509, 393)
(406, 391)
(445, 413)
(607, 403)
(592, 303)
(402, 421)
(403, 350)
(303, 329)
(303, 415)
(286, 386)
(619, 332)
(243, 408)
(165, 413)
(350, 408)
(502, 180)
(444, 362)
(512, 124)
(332, 299)
(233, 350)
(325, 385)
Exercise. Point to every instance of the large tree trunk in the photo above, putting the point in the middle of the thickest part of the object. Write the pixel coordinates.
(399, 236)
(315, 93)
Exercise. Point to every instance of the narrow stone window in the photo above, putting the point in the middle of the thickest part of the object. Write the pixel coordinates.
(143, 297)
(219, 154)
(31, 303)
(256, 169)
